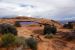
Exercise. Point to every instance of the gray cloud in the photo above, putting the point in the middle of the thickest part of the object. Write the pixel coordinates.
(51, 9)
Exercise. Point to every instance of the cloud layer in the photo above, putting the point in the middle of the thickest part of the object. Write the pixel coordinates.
(51, 9)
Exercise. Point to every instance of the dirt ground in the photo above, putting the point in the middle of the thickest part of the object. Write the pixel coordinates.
(46, 44)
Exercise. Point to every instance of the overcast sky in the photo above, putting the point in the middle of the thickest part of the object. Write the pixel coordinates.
(51, 9)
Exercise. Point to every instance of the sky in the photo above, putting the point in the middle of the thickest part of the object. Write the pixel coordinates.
(50, 9)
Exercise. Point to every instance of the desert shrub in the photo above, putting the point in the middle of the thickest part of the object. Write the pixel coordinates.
(53, 29)
(50, 29)
(7, 28)
(8, 40)
(17, 24)
(32, 43)
(27, 42)
(68, 26)
(21, 41)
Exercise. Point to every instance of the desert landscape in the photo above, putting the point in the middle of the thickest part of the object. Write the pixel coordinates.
(37, 24)
(64, 39)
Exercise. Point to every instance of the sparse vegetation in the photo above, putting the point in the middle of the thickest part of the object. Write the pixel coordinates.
(17, 24)
(50, 40)
(50, 29)
(21, 41)
(53, 29)
(8, 40)
(68, 26)
(7, 28)
(32, 43)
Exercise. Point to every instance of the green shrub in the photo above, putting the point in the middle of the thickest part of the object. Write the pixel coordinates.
(32, 43)
(8, 40)
(27, 42)
(49, 29)
(53, 29)
(21, 41)
(8, 28)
